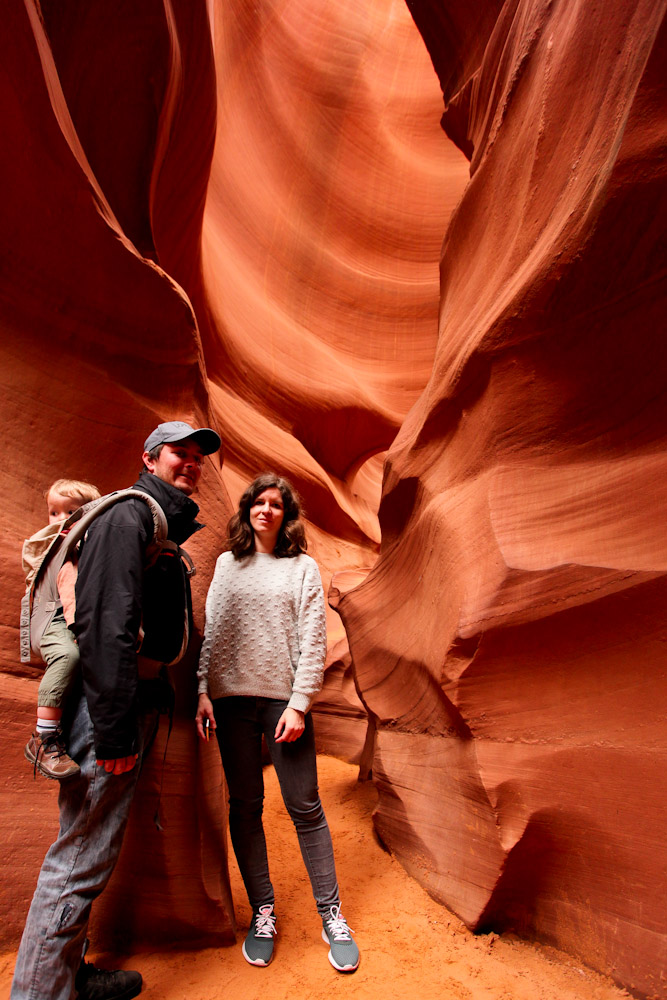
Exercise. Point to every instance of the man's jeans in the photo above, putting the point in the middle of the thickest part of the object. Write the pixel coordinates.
(240, 725)
(94, 808)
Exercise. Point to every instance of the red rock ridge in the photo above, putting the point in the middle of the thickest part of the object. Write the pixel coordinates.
(267, 282)
(517, 671)
(233, 213)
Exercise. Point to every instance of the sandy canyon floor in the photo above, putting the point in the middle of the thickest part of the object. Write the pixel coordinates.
(410, 946)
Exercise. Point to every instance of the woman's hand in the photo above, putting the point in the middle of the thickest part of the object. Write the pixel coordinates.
(205, 712)
(291, 725)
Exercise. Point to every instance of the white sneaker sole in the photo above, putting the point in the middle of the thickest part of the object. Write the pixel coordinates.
(258, 963)
(338, 968)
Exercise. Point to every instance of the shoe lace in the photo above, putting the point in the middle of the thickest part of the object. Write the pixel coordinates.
(57, 749)
(51, 744)
(265, 922)
(338, 926)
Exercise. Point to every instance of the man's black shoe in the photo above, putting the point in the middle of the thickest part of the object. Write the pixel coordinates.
(103, 984)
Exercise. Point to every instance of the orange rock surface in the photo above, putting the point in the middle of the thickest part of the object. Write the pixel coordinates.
(234, 213)
(99, 343)
(517, 670)
(280, 282)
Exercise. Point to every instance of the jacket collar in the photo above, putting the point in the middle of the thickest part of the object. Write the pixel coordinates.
(178, 508)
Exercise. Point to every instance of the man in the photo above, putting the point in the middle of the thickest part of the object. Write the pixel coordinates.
(114, 593)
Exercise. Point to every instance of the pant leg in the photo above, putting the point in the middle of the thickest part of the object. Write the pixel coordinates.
(94, 809)
(296, 767)
(240, 740)
(60, 653)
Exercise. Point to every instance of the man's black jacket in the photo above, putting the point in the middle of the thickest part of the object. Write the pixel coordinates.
(109, 598)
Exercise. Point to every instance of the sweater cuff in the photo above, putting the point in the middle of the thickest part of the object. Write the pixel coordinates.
(301, 702)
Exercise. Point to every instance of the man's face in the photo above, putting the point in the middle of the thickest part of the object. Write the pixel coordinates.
(179, 464)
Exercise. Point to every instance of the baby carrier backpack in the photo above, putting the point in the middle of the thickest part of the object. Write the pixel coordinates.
(167, 613)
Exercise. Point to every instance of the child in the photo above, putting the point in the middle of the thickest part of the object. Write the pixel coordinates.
(46, 749)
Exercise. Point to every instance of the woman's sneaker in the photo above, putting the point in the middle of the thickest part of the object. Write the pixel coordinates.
(343, 952)
(48, 754)
(258, 945)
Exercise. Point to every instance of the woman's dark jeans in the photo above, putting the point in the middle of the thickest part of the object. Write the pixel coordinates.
(240, 725)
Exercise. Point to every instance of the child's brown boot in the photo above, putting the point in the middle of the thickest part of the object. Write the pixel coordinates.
(48, 755)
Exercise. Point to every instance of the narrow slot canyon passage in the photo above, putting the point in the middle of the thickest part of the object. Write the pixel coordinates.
(411, 256)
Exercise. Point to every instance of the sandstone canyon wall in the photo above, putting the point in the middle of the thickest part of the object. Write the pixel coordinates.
(510, 640)
(280, 282)
(235, 212)
(100, 342)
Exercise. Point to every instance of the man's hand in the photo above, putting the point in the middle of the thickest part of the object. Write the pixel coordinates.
(119, 765)
(291, 725)
(205, 715)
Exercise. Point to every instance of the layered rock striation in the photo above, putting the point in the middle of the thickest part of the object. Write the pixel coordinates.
(278, 279)
(100, 342)
(517, 673)
(234, 213)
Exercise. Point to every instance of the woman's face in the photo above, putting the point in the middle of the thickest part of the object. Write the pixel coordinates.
(266, 516)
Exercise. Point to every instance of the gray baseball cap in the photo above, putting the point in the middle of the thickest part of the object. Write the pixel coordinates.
(178, 430)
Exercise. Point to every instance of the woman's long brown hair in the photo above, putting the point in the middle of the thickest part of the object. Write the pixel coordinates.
(291, 537)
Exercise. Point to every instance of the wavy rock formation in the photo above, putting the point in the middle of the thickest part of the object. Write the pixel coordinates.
(280, 281)
(519, 688)
(99, 343)
(234, 213)
(329, 195)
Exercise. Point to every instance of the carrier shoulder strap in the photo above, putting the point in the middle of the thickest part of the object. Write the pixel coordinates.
(79, 522)
(46, 575)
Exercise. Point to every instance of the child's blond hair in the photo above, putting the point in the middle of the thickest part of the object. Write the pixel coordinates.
(74, 488)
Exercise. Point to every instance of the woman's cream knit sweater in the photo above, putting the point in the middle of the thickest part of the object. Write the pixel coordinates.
(265, 631)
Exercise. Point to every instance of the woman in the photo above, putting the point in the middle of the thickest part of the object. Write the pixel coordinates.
(260, 669)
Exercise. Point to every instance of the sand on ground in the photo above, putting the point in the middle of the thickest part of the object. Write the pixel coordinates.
(411, 947)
